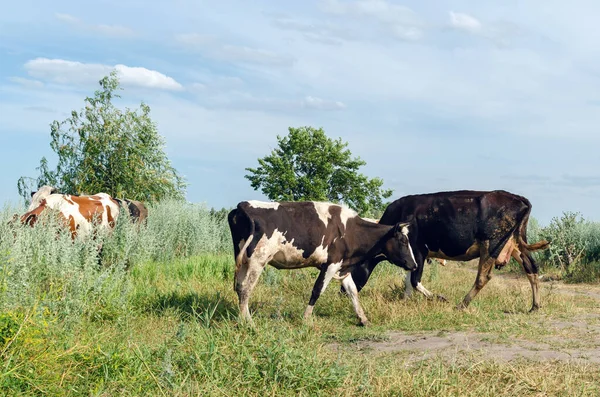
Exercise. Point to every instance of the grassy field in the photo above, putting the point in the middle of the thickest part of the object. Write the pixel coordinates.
(157, 317)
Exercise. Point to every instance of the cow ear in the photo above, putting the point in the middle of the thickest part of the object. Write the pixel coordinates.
(402, 228)
(32, 193)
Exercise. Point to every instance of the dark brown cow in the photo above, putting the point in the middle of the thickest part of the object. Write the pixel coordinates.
(461, 226)
(293, 235)
(137, 209)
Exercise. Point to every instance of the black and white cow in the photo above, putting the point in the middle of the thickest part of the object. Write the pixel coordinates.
(294, 235)
(461, 226)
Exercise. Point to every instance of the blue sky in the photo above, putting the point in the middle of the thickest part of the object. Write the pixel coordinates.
(433, 96)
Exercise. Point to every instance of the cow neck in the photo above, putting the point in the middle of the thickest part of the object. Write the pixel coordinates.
(370, 240)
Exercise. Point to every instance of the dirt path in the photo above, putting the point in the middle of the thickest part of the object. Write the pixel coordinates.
(452, 345)
(575, 339)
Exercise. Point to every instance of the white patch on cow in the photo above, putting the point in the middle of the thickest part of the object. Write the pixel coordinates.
(37, 198)
(324, 215)
(424, 290)
(352, 292)
(404, 230)
(273, 205)
(243, 247)
(107, 202)
(322, 211)
(321, 253)
(284, 254)
(346, 214)
(333, 270)
(412, 255)
(287, 255)
(408, 289)
(371, 220)
(69, 209)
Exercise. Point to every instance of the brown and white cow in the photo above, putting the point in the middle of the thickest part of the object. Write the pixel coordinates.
(137, 210)
(461, 226)
(294, 235)
(78, 212)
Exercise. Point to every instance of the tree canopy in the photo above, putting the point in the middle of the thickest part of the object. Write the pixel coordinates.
(104, 149)
(308, 165)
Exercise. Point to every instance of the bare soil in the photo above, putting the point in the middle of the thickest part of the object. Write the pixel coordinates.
(575, 339)
(453, 345)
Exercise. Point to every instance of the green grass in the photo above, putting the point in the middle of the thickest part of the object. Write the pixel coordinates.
(179, 336)
(158, 317)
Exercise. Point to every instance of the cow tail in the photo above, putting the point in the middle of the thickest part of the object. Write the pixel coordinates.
(540, 245)
(241, 227)
(522, 236)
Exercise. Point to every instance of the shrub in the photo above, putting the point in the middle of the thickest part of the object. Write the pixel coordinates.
(74, 278)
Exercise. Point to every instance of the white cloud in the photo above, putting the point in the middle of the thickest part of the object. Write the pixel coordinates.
(322, 104)
(67, 18)
(106, 30)
(215, 84)
(400, 21)
(143, 77)
(465, 22)
(197, 87)
(29, 83)
(315, 31)
(69, 72)
(499, 33)
(247, 54)
(196, 39)
(210, 46)
(248, 101)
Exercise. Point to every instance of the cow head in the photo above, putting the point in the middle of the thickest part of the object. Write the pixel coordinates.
(397, 247)
(41, 194)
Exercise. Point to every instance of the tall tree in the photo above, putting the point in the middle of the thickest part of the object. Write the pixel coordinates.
(308, 165)
(104, 149)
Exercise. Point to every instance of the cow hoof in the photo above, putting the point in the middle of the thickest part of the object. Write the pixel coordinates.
(364, 323)
(461, 306)
(534, 309)
(442, 298)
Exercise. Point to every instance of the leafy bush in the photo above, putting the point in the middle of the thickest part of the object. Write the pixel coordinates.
(42, 265)
(574, 248)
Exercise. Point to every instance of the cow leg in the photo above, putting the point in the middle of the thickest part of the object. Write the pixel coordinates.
(352, 292)
(246, 278)
(484, 274)
(327, 273)
(413, 280)
(361, 273)
(531, 269)
(408, 288)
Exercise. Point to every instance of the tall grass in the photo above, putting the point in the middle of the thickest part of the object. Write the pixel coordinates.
(42, 266)
(154, 313)
(575, 246)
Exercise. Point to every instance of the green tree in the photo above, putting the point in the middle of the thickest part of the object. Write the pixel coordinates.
(104, 149)
(308, 165)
